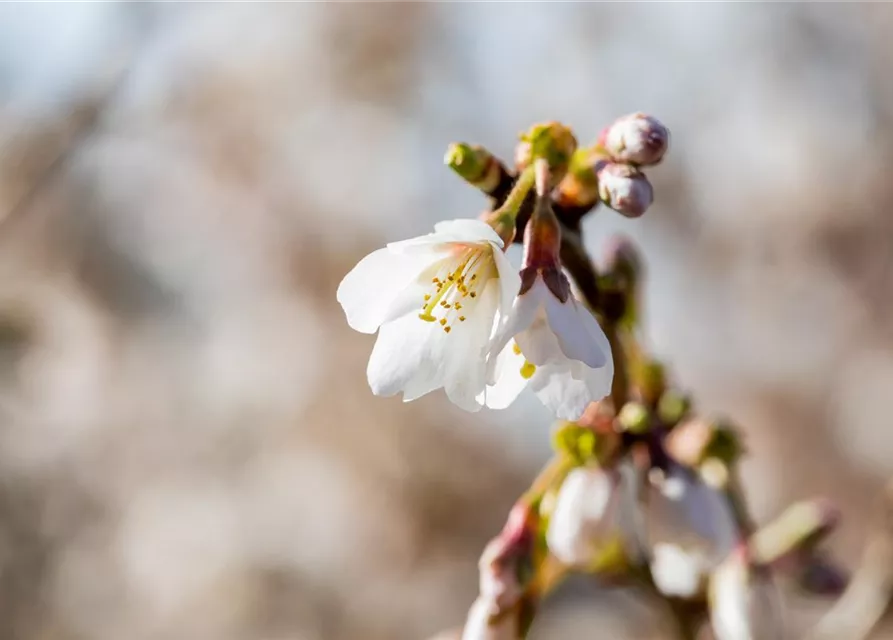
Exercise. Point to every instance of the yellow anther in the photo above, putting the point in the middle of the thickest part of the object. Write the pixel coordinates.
(427, 297)
(473, 294)
(447, 329)
(458, 305)
(443, 321)
(527, 370)
(516, 349)
(474, 276)
(461, 318)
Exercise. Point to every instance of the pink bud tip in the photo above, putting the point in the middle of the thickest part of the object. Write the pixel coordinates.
(637, 139)
(624, 189)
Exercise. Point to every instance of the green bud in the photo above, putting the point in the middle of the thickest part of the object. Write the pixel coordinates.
(470, 162)
(551, 141)
(580, 444)
(634, 417)
(672, 406)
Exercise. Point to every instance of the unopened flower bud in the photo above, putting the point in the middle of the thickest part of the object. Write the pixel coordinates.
(583, 521)
(819, 575)
(579, 188)
(475, 165)
(798, 529)
(636, 138)
(744, 602)
(486, 622)
(634, 418)
(622, 261)
(624, 188)
(551, 141)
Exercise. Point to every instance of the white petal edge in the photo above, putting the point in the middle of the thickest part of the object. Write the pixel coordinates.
(367, 291)
(573, 324)
(507, 383)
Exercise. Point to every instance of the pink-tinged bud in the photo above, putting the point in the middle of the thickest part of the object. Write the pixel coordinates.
(487, 622)
(624, 188)
(744, 602)
(636, 138)
(505, 562)
(584, 519)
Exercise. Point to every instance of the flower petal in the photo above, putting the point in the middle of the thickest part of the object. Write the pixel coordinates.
(509, 280)
(468, 230)
(574, 326)
(465, 366)
(367, 291)
(565, 394)
(448, 234)
(518, 319)
(506, 381)
(408, 355)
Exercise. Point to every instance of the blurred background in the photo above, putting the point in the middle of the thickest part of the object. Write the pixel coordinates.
(188, 447)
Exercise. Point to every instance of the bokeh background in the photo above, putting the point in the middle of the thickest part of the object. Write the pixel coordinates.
(188, 448)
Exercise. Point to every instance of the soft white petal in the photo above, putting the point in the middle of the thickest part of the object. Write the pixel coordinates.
(573, 325)
(598, 381)
(539, 343)
(519, 318)
(465, 366)
(366, 293)
(557, 388)
(506, 379)
(408, 354)
(448, 235)
(469, 230)
(583, 519)
(509, 280)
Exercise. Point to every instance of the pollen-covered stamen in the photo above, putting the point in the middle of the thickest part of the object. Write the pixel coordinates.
(456, 285)
(528, 368)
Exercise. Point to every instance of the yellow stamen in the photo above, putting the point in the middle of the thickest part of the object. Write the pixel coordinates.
(527, 370)
(516, 349)
(461, 318)
(443, 321)
(447, 329)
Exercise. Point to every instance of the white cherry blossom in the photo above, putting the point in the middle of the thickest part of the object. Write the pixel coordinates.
(556, 347)
(433, 300)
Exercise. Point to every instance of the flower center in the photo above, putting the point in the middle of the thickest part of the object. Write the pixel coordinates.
(456, 287)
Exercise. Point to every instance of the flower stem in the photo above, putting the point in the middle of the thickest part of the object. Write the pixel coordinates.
(503, 218)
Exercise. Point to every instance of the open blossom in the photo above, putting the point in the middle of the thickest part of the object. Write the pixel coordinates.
(433, 300)
(548, 341)
(553, 346)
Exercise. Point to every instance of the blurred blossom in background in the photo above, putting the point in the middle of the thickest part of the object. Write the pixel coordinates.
(188, 446)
